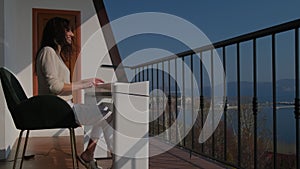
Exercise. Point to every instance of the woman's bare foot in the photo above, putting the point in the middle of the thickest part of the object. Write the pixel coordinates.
(87, 156)
(87, 159)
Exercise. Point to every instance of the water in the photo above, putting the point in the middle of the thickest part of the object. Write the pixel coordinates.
(286, 128)
(285, 123)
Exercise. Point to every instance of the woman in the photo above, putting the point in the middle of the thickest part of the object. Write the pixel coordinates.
(54, 78)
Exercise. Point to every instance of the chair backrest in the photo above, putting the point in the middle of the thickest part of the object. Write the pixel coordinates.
(13, 91)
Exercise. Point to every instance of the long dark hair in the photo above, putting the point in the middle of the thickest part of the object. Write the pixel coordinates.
(54, 35)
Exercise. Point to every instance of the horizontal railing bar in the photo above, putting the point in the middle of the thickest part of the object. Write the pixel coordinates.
(261, 33)
(246, 37)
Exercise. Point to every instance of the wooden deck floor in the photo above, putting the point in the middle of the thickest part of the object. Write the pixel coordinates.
(54, 153)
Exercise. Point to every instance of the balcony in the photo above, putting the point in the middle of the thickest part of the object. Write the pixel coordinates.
(235, 101)
(253, 115)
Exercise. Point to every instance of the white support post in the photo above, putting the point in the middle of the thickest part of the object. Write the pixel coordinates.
(131, 107)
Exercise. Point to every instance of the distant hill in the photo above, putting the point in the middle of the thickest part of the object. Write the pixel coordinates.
(285, 90)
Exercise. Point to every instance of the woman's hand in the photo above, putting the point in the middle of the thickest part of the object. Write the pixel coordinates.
(82, 84)
(87, 83)
(97, 81)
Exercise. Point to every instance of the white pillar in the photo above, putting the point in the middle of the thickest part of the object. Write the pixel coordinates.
(131, 145)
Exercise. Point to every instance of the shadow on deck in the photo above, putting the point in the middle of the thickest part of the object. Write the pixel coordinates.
(55, 153)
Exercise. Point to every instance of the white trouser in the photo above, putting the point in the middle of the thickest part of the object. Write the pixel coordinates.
(90, 115)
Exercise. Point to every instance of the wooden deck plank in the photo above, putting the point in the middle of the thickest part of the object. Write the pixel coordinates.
(55, 153)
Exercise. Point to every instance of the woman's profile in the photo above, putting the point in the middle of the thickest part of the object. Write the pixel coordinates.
(54, 78)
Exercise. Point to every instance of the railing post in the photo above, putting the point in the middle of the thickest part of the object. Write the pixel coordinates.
(274, 101)
(176, 100)
(212, 100)
(183, 99)
(157, 99)
(225, 107)
(254, 102)
(169, 101)
(135, 77)
(192, 97)
(239, 103)
(201, 96)
(297, 99)
(163, 100)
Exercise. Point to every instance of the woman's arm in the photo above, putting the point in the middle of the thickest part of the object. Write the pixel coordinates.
(83, 84)
(51, 66)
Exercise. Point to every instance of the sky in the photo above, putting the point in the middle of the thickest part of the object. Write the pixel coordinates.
(217, 19)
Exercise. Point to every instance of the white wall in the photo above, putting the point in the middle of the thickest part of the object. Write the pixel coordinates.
(2, 105)
(1, 33)
(18, 50)
(7, 46)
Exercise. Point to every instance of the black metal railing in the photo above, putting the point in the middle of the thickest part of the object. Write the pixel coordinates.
(250, 132)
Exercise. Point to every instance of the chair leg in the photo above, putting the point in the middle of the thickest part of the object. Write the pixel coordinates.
(18, 147)
(24, 149)
(74, 150)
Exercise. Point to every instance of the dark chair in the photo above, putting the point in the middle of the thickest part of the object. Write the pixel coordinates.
(36, 113)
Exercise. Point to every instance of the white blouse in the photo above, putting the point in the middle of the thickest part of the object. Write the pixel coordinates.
(52, 73)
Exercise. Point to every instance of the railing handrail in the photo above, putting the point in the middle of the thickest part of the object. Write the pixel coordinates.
(161, 75)
(242, 38)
